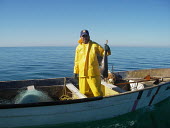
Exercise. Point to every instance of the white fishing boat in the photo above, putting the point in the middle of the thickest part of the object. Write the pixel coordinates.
(58, 100)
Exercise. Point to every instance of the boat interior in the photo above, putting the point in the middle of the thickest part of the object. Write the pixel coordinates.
(59, 89)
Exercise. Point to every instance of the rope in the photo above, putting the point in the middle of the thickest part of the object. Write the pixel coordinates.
(65, 96)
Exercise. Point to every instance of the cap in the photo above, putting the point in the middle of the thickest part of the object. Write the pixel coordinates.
(84, 32)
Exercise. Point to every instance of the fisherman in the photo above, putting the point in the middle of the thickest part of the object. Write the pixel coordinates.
(86, 65)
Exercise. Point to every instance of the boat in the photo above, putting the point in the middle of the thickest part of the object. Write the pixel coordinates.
(65, 104)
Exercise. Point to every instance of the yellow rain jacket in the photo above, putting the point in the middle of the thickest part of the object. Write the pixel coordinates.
(87, 66)
(86, 63)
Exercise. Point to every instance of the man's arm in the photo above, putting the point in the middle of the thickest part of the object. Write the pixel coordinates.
(76, 62)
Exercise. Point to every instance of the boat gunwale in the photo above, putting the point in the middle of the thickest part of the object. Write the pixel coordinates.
(42, 104)
(147, 88)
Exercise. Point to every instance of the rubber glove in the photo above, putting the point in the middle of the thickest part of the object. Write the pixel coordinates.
(75, 76)
(107, 48)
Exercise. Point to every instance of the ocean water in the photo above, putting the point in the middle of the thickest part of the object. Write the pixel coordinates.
(20, 63)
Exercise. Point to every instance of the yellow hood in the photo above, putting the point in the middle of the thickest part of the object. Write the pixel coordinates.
(80, 41)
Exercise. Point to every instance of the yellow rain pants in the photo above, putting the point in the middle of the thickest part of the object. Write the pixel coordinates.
(90, 86)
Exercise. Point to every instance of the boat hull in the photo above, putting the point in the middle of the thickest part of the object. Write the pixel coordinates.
(81, 110)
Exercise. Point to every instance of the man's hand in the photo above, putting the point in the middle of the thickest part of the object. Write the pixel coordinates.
(75, 76)
(107, 48)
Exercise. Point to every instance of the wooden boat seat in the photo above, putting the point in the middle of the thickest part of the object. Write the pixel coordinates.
(75, 91)
(166, 79)
(148, 83)
(113, 87)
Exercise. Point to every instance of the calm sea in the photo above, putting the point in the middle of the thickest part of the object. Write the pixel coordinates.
(19, 63)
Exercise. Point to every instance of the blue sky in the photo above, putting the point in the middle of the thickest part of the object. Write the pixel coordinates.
(59, 22)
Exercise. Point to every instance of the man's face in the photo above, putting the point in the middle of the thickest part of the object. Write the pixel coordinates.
(85, 38)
